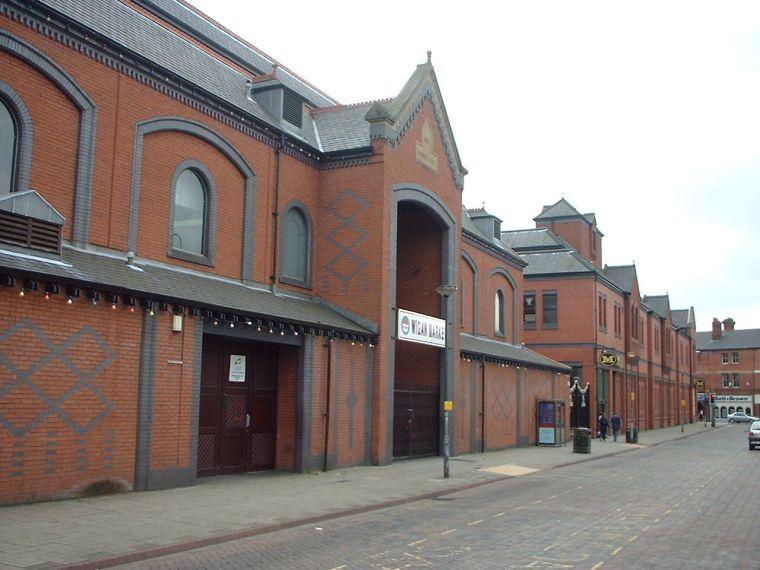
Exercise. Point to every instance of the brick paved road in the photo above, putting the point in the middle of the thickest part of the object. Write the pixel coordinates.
(691, 503)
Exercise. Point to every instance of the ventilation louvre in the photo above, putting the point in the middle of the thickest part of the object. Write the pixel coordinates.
(292, 108)
(29, 232)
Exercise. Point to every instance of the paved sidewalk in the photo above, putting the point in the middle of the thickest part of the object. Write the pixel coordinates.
(102, 531)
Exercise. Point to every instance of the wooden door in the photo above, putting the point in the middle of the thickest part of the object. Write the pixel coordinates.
(237, 419)
(415, 423)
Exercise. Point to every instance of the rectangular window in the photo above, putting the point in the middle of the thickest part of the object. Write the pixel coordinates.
(724, 358)
(529, 308)
(599, 311)
(550, 310)
(604, 312)
(726, 381)
(735, 357)
(737, 380)
(641, 329)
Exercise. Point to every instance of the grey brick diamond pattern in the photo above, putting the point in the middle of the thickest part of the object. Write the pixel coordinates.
(500, 399)
(346, 236)
(53, 405)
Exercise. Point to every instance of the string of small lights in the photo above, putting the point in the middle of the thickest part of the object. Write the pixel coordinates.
(151, 307)
(504, 363)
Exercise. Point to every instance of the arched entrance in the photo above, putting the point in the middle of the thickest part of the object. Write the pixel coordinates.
(423, 259)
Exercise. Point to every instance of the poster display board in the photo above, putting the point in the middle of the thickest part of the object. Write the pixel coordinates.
(550, 422)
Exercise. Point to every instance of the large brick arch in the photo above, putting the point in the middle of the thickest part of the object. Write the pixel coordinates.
(201, 131)
(33, 57)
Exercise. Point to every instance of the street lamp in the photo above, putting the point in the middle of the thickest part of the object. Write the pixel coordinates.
(446, 291)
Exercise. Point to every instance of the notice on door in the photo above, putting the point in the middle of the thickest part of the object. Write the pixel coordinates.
(237, 368)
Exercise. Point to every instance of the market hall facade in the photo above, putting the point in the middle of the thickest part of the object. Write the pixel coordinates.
(203, 256)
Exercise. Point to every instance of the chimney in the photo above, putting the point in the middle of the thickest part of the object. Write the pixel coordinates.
(728, 324)
(716, 332)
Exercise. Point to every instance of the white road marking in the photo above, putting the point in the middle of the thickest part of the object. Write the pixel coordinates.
(473, 523)
(448, 531)
(618, 549)
(597, 565)
(417, 542)
(499, 515)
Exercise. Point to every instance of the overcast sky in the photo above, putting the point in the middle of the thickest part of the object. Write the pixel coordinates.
(645, 113)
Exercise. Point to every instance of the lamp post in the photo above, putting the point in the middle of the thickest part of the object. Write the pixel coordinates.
(446, 291)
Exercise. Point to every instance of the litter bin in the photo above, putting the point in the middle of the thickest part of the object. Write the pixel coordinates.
(581, 440)
(631, 435)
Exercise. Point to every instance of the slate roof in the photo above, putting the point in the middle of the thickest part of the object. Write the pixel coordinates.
(510, 352)
(343, 128)
(658, 303)
(556, 263)
(144, 37)
(237, 49)
(735, 339)
(680, 317)
(533, 239)
(560, 209)
(163, 282)
(468, 226)
(621, 275)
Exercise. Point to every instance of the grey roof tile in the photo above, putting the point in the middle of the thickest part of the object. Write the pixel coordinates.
(560, 209)
(469, 226)
(533, 239)
(680, 317)
(343, 128)
(139, 34)
(556, 262)
(173, 284)
(660, 304)
(238, 49)
(510, 352)
(621, 275)
(736, 339)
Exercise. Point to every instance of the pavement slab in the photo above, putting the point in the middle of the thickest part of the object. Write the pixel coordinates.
(101, 531)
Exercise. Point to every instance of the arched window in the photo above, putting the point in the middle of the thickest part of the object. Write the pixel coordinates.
(295, 247)
(189, 224)
(498, 308)
(8, 145)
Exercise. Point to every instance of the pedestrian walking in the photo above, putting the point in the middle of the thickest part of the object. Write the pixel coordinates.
(602, 424)
(615, 422)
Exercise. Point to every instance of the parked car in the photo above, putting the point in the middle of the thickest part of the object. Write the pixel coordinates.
(754, 435)
(740, 417)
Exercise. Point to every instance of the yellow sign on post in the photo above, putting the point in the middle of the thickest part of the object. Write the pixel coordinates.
(448, 406)
(683, 403)
(633, 396)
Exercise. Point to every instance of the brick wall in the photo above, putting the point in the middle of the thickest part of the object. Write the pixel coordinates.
(69, 380)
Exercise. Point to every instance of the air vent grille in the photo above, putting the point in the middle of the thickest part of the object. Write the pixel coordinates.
(29, 232)
(292, 107)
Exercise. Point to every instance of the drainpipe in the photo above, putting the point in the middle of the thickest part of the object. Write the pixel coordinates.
(328, 344)
(276, 212)
(483, 410)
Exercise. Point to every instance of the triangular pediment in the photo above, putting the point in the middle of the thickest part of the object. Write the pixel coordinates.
(31, 205)
(391, 120)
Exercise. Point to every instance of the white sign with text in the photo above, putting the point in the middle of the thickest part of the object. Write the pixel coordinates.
(424, 329)
(237, 368)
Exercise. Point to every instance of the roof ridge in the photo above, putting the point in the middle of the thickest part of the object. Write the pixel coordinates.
(341, 107)
(248, 44)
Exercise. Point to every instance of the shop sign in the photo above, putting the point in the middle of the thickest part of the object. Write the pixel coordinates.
(237, 368)
(733, 398)
(701, 397)
(424, 329)
(608, 359)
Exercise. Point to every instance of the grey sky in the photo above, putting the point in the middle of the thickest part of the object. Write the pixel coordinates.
(645, 113)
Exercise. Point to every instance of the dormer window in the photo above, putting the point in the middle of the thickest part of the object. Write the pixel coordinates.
(497, 228)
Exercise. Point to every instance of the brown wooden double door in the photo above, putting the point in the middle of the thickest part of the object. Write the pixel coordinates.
(237, 423)
(415, 422)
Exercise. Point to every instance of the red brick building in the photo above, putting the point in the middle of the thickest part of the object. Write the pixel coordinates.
(203, 257)
(728, 365)
(631, 353)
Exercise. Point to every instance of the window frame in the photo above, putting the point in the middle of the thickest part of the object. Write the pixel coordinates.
(736, 380)
(726, 380)
(532, 324)
(734, 358)
(24, 138)
(209, 237)
(724, 358)
(287, 279)
(499, 312)
(549, 324)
